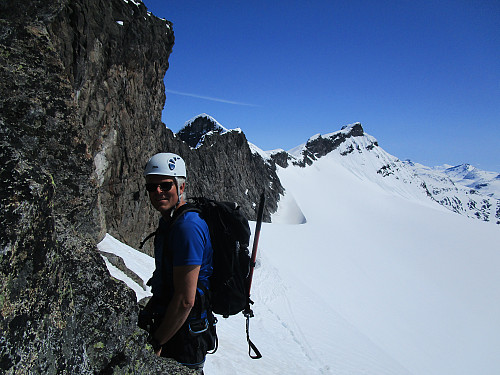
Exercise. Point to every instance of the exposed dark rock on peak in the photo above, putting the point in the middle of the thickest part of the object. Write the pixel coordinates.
(281, 158)
(355, 130)
(194, 130)
(319, 146)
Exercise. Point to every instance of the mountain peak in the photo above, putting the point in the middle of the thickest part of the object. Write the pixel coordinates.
(462, 171)
(195, 129)
(355, 129)
(320, 145)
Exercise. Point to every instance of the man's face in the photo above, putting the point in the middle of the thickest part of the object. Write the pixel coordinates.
(163, 200)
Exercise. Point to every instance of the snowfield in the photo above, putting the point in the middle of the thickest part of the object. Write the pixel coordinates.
(357, 278)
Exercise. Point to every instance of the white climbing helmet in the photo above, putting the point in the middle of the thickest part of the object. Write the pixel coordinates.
(166, 164)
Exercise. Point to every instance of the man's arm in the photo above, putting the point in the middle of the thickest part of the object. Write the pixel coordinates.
(185, 283)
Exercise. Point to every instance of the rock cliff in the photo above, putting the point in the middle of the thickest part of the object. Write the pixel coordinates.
(81, 93)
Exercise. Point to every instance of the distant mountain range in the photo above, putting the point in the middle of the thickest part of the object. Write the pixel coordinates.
(487, 183)
(463, 189)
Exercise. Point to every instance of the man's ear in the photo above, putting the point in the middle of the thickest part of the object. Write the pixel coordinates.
(182, 187)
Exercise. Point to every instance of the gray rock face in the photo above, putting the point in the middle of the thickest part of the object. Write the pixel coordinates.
(68, 94)
(115, 56)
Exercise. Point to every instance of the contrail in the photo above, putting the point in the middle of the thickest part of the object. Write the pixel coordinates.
(209, 98)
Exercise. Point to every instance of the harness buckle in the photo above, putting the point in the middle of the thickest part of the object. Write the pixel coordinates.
(196, 328)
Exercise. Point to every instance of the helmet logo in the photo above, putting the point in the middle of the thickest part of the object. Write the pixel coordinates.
(171, 163)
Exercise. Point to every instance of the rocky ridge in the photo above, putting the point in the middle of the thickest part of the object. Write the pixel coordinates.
(222, 166)
(319, 146)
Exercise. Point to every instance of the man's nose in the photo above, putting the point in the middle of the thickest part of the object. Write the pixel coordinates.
(157, 190)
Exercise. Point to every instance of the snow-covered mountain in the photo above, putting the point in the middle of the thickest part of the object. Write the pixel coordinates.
(487, 183)
(362, 271)
(463, 189)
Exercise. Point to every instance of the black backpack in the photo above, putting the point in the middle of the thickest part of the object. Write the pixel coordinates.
(230, 237)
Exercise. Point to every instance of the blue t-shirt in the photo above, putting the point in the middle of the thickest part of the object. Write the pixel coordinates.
(188, 243)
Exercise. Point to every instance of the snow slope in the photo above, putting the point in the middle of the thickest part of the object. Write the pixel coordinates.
(358, 278)
(420, 283)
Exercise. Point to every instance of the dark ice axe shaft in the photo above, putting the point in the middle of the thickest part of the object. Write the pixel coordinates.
(248, 311)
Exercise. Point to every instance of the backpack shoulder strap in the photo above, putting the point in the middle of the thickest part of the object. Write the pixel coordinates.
(187, 207)
(147, 238)
(177, 214)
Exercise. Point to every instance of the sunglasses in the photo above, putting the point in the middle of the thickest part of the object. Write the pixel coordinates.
(164, 186)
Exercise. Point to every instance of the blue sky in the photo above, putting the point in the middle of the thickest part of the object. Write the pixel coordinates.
(423, 77)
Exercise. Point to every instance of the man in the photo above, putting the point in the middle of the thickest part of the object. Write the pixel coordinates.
(184, 328)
